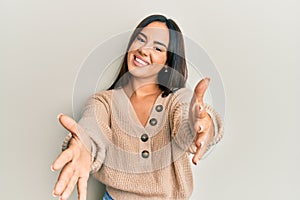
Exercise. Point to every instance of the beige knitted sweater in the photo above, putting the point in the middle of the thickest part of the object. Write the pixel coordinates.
(137, 162)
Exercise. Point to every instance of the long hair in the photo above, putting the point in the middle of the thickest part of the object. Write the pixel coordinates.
(176, 77)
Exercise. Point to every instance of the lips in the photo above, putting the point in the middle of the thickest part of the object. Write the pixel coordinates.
(138, 61)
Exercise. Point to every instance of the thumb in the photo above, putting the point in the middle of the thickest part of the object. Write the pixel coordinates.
(69, 123)
(201, 88)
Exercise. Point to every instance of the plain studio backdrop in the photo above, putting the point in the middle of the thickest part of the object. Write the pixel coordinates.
(254, 44)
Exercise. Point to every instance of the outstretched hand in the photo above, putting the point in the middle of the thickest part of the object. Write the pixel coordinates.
(75, 163)
(203, 125)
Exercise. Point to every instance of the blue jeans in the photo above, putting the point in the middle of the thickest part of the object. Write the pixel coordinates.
(107, 196)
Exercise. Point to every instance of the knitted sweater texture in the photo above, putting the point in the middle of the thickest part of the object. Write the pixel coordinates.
(136, 161)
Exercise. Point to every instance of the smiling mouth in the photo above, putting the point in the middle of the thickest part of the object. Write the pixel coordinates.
(139, 62)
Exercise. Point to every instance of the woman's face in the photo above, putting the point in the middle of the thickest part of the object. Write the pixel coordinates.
(147, 54)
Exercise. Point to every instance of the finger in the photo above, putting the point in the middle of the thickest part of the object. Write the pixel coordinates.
(63, 179)
(63, 158)
(203, 114)
(82, 188)
(198, 127)
(200, 142)
(69, 189)
(201, 138)
(69, 124)
(199, 111)
(198, 154)
(202, 135)
(202, 125)
(200, 89)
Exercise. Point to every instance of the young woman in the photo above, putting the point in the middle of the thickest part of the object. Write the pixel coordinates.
(136, 136)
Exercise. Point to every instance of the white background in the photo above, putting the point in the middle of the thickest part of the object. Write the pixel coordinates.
(255, 45)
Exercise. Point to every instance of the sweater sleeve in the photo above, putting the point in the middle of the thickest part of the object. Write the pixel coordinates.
(94, 122)
(181, 132)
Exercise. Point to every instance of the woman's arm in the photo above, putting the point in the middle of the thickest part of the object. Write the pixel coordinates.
(205, 122)
(75, 163)
(195, 125)
(83, 152)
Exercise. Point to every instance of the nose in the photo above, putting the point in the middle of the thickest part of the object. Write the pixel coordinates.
(144, 50)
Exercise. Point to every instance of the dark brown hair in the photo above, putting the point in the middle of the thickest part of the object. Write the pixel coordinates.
(174, 78)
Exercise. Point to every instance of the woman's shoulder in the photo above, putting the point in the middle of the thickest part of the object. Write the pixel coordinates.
(103, 92)
(104, 95)
(182, 94)
(107, 95)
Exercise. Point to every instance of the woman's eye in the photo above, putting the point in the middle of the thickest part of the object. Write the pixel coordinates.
(140, 39)
(157, 49)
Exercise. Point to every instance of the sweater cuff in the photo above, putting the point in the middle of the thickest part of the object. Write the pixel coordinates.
(218, 124)
(66, 142)
(218, 129)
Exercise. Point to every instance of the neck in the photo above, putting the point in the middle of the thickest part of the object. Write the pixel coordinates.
(142, 89)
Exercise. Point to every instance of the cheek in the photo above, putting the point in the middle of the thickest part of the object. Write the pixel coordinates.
(161, 59)
(134, 46)
(165, 58)
(128, 57)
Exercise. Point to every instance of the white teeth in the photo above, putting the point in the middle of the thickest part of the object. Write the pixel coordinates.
(140, 61)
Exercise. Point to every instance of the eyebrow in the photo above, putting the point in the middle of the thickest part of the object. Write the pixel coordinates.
(155, 42)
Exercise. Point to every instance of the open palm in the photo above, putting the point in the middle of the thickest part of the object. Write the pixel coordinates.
(75, 163)
(202, 122)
